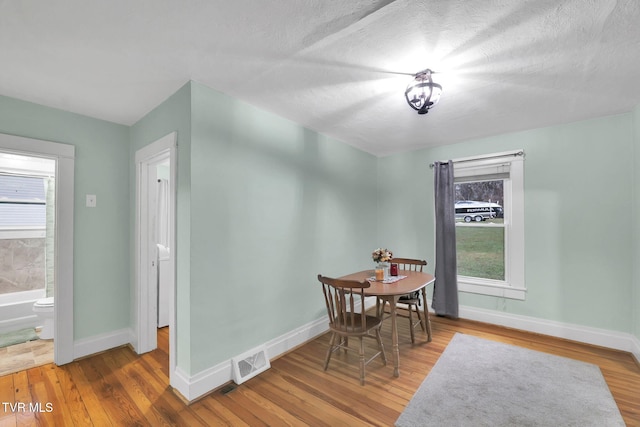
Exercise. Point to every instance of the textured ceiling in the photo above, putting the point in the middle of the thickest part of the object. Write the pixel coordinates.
(338, 67)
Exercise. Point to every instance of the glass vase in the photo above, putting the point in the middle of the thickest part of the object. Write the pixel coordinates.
(384, 266)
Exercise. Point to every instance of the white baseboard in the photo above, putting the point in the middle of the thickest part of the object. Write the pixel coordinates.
(179, 380)
(195, 386)
(198, 385)
(96, 344)
(297, 337)
(595, 336)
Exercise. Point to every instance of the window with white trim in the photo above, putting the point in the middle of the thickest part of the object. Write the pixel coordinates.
(490, 224)
(22, 202)
(24, 182)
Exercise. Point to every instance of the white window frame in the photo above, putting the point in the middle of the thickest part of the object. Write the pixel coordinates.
(513, 286)
(30, 166)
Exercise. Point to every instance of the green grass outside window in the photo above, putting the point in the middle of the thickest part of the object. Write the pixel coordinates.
(480, 252)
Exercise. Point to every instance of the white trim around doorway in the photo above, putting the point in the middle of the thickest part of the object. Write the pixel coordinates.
(145, 301)
(64, 154)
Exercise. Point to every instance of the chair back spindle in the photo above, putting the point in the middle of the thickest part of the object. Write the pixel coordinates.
(409, 264)
(343, 298)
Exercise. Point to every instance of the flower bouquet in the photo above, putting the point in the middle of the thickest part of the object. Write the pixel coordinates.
(382, 255)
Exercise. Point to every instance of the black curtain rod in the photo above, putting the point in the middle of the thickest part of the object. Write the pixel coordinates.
(519, 153)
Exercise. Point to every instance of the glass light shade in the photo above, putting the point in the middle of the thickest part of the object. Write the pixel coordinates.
(422, 93)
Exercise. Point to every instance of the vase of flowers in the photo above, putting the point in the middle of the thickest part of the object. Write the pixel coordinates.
(382, 256)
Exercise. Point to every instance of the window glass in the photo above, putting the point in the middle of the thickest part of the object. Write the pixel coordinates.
(22, 202)
(480, 241)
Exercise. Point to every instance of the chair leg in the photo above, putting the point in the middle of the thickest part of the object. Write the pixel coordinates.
(330, 351)
(380, 308)
(423, 322)
(362, 361)
(427, 324)
(413, 337)
(381, 347)
(427, 321)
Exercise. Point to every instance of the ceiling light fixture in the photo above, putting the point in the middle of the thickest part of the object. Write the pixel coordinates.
(422, 93)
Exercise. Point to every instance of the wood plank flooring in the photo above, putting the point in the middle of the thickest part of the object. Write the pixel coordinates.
(120, 388)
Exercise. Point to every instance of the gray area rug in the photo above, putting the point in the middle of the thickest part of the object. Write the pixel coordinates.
(477, 382)
(17, 337)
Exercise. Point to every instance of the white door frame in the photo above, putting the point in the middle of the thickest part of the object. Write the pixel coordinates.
(145, 304)
(64, 155)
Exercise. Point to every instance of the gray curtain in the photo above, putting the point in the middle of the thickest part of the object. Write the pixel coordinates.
(445, 289)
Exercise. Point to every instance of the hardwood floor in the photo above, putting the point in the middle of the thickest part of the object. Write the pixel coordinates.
(120, 388)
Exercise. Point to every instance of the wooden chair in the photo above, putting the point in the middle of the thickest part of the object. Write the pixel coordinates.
(413, 300)
(347, 319)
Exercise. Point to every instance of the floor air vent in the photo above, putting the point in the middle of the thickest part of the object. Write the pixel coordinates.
(250, 364)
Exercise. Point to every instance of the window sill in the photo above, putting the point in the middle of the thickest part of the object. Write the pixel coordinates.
(490, 288)
(22, 233)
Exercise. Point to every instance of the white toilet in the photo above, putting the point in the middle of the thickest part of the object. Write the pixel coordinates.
(44, 309)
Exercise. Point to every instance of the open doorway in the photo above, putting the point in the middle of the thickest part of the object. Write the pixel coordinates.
(40, 173)
(155, 244)
(27, 270)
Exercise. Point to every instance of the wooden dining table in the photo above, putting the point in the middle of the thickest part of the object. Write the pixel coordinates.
(391, 293)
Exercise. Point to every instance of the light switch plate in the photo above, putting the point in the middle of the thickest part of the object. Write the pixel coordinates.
(91, 200)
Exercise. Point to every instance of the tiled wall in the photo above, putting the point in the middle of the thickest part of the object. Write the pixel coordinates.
(22, 265)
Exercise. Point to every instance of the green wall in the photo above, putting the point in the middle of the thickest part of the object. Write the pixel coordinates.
(101, 234)
(273, 204)
(578, 202)
(405, 223)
